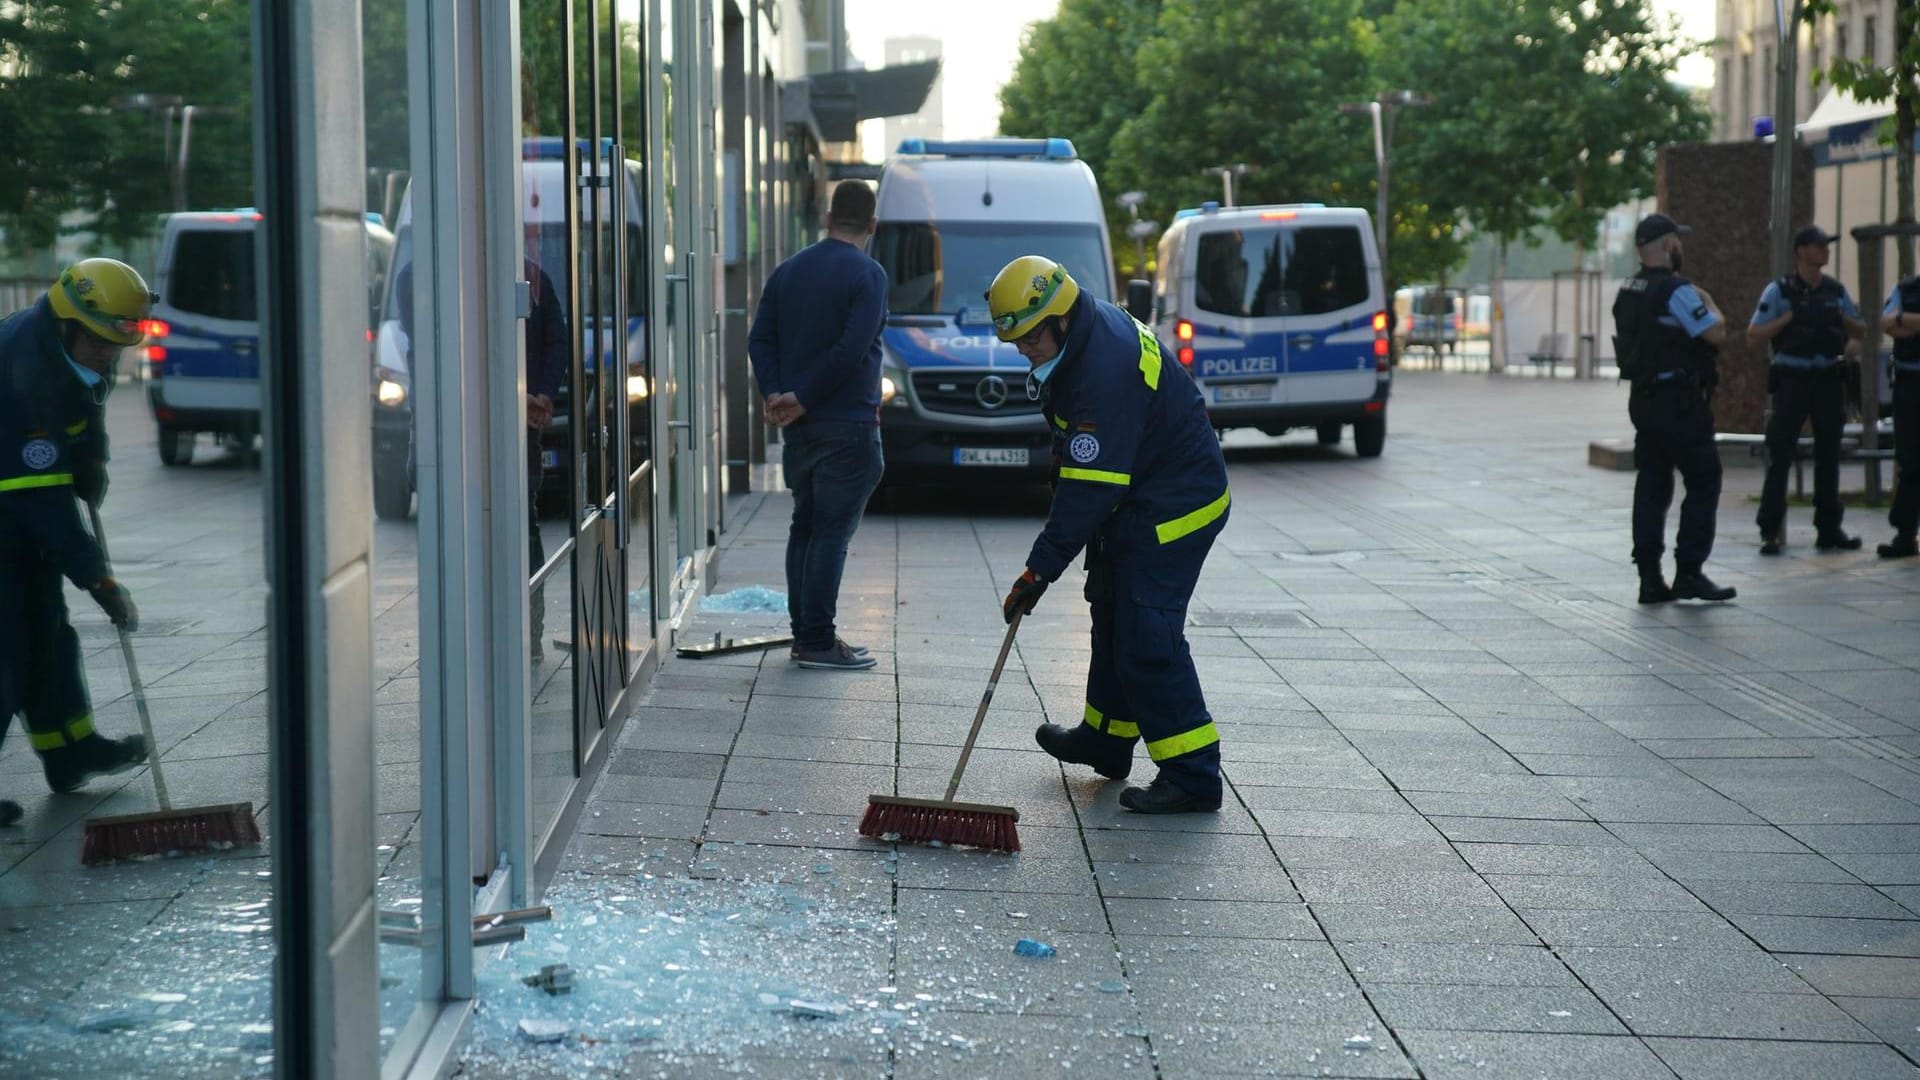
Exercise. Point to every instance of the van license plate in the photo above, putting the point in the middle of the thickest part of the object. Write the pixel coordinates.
(1223, 395)
(993, 455)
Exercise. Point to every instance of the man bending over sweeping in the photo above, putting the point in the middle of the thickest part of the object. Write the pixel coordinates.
(56, 368)
(1141, 485)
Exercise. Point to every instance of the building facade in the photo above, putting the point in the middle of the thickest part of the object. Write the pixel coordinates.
(1746, 50)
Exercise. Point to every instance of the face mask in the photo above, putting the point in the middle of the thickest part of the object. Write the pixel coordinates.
(95, 382)
(1037, 378)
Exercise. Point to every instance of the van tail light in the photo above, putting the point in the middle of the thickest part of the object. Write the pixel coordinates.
(1183, 331)
(156, 354)
(1186, 356)
(155, 328)
(1380, 344)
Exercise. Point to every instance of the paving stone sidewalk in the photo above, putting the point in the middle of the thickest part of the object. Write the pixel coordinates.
(1487, 817)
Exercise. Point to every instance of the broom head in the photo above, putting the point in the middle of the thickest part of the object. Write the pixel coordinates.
(169, 832)
(920, 821)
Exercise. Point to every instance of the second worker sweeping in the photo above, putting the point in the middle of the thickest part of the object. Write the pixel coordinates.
(1142, 487)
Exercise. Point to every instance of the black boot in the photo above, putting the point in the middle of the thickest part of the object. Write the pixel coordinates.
(1837, 540)
(1690, 583)
(1653, 584)
(1164, 796)
(75, 764)
(1904, 546)
(10, 812)
(1077, 746)
(1771, 543)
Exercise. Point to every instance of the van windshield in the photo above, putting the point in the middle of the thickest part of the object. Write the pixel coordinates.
(944, 267)
(1267, 270)
(212, 274)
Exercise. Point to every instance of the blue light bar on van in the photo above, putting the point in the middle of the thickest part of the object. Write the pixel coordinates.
(554, 147)
(1055, 149)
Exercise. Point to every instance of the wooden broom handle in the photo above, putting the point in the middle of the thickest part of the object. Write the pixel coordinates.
(980, 714)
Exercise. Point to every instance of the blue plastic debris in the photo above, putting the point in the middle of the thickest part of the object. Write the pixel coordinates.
(1039, 950)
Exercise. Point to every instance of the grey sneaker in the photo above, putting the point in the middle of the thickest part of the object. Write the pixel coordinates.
(857, 650)
(837, 657)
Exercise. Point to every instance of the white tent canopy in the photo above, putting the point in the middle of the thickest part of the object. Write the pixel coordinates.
(1840, 107)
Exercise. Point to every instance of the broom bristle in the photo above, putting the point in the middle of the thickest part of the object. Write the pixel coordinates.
(920, 824)
(171, 832)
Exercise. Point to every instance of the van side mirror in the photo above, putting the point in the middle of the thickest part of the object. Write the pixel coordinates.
(1140, 299)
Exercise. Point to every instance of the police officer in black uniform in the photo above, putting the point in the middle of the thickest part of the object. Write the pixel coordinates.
(1808, 317)
(1667, 336)
(1900, 318)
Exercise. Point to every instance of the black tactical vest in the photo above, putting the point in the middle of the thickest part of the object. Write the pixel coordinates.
(1907, 350)
(1644, 346)
(1821, 336)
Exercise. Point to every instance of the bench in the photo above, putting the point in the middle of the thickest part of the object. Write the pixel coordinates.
(1851, 452)
(1551, 351)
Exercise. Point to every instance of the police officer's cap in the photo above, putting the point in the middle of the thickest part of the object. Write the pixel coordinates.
(1813, 234)
(1654, 226)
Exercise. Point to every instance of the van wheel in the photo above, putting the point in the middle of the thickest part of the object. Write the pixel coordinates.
(176, 446)
(1329, 434)
(392, 495)
(1370, 436)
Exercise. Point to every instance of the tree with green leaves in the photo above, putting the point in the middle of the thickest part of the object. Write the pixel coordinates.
(76, 156)
(1865, 81)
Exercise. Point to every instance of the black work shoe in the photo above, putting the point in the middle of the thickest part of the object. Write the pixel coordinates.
(10, 812)
(1165, 797)
(1654, 590)
(1694, 585)
(838, 656)
(1072, 745)
(1836, 541)
(71, 766)
(1771, 545)
(1904, 546)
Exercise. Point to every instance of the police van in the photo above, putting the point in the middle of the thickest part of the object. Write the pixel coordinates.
(1281, 315)
(546, 235)
(954, 402)
(203, 339)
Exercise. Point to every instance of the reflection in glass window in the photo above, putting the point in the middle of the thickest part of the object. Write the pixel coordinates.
(1266, 271)
(212, 274)
(939, 268)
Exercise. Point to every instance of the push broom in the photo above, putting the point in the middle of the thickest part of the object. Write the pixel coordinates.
(943, 820)
(170, 831)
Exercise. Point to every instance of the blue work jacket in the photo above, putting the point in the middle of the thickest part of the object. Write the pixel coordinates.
(1132, 438)
(50, 426)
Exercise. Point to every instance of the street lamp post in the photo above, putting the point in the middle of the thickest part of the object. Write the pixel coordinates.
(1786, 19)
(168, 106)
(1226, 173)
(1381, 110)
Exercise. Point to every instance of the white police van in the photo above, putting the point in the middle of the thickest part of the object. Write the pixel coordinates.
(1281, 315)
(954, 404)
(548, 241)
(203, 339)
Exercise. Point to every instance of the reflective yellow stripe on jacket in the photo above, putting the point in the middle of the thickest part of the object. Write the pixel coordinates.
(1169, 531)
(1149, 357)
(44, 480)
(1097, 476)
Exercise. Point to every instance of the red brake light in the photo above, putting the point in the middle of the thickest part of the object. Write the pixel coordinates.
(155, 328)
(1379, 346)
(1183, 330)
(156, 354)
(1278, 215)
(1186, 356)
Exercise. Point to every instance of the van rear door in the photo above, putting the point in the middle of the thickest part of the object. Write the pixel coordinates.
(1327, 294)
(1239, 349)
(207, 299)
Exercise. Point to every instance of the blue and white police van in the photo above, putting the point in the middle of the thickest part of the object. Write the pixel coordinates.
(203, 339)
(954, 404)
(550, 243)
(1280, 313)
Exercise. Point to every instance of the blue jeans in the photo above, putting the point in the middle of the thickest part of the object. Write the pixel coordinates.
(832, 467)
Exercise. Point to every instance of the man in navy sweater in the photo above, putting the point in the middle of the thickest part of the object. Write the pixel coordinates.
(815, 347)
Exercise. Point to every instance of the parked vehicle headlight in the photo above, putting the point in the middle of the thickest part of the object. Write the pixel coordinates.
(636, 388)
(887, 389)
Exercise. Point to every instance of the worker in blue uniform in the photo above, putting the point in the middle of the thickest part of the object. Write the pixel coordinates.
(1142, 487)
(56, 368)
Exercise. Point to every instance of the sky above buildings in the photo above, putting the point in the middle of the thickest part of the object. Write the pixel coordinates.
(982, 41)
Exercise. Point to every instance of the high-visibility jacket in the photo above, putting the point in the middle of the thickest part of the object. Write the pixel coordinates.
(50, 427)
(1132, 436)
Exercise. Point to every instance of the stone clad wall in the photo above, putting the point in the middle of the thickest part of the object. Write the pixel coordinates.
(1723, 190)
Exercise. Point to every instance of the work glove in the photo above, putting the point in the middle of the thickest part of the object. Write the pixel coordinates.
(90, 483)
(117, 602)
(1025, 593)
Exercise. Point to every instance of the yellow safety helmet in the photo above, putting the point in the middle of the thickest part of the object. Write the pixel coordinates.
(106, 296)
(1027, 291)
